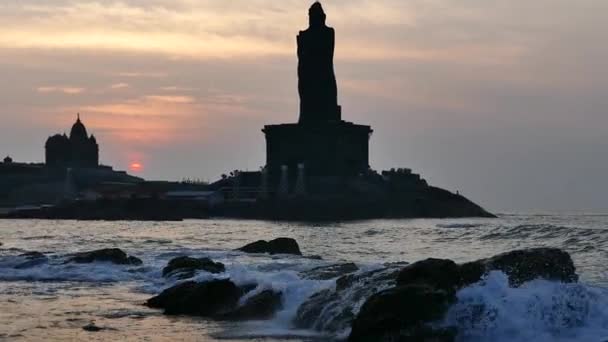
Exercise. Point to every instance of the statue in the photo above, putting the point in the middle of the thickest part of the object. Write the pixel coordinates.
(316, 78)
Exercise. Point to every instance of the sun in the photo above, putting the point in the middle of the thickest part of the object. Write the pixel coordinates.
(136, 167)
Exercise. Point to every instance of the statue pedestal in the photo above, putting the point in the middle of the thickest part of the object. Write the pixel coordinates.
(326, 149)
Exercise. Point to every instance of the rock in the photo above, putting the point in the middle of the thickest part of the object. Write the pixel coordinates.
(520, 266)
(185, 266)
(113, 255)
(427, 288)
(401, 314)
(329, 272)
(334, 309)
(91, 327)
(206, 299)
(276, 246)
(438, 273)
(258, 307)
(32, 259)
(529, 264)
(310, 311)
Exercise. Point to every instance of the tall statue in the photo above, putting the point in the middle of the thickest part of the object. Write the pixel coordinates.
(316, 78)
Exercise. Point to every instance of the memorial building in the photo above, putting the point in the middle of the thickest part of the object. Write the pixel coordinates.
(321, 143)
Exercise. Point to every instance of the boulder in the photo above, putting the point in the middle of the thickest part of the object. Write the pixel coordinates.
(334, 309)
(215, 297)
(424, 290)
(113, 255)
(329, 272)
(529, 264)
(276, 246)
(438, 273)
(520, 266)
(185, 267)
(258, 307)
(32, 259)
(91, 327)
(401, 314)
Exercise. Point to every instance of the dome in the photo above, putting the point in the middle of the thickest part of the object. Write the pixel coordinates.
(78, 132)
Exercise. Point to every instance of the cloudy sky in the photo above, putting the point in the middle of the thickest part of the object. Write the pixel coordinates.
(503, 100)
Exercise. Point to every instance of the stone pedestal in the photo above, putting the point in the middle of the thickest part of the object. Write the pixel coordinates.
(336, 148)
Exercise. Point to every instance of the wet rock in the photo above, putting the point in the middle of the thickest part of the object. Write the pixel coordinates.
(401, 314)
(276, 246)
(334, 309)
(113, 255)
(206, 299)
(438, 273)
(33, 259)
(529, 264)
(329, 272)
(520, 266)
(185, 267)
(91, 327)
(427, 288)
(258, 307)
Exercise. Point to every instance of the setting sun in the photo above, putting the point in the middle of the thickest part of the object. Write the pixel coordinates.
(135, 167)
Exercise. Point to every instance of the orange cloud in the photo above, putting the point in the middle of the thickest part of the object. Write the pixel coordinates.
(60, 89)
(119, 85)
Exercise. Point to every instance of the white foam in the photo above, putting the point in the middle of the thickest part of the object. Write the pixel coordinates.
(539, 310)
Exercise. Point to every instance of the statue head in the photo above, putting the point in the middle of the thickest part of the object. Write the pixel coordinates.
(316, 15)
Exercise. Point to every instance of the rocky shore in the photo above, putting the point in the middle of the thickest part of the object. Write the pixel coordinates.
(398, 302)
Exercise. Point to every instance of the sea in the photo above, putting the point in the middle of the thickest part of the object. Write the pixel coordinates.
(53, 301)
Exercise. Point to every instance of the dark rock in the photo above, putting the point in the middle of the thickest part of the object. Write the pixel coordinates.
(426, 288)
(113, 255)
(529, 264)
(260, 306)
(276, 246)
(401, 314)
(329, 272)
(310, 311)
(438, 273)
(334, 309)
(185, 266)
(207, 299)
(91, 327)
(33, 259)
(520, 266)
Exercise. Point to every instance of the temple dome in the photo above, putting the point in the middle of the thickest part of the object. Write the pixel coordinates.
(78, 132)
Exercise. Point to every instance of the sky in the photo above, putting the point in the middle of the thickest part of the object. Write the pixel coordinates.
(504, 100)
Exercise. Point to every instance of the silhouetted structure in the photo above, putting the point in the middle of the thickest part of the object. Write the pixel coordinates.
(320, 143)
(77, 150)
(316, 78)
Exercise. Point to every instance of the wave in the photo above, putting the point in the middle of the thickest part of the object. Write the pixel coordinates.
(459, 225)
(539, 310)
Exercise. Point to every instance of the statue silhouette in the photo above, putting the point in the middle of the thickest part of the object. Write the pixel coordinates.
(316, 78)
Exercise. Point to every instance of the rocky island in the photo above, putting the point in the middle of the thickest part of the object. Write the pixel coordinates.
(318, 168)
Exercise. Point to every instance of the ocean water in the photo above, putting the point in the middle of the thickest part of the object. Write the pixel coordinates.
(53, 301)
